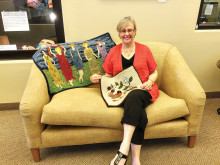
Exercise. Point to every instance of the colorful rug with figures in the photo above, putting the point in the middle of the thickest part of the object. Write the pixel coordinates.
(70, 65)
(115, 89)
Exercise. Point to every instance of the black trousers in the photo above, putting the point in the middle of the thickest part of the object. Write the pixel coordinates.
(135, 114)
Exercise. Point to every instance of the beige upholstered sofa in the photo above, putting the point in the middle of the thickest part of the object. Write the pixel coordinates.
(80, 116)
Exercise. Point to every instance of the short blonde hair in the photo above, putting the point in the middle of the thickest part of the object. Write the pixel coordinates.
(72, 45)
(124, 22)
(57, 49)
(85, 44)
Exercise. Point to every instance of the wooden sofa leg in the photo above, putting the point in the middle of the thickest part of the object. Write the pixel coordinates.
(191, 141)
(36, 154)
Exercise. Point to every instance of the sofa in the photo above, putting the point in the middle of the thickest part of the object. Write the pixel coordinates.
(80, 116)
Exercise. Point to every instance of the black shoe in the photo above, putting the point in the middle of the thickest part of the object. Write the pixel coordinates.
(119, 157)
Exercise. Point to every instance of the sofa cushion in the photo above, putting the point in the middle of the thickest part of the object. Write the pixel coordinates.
(86, 107)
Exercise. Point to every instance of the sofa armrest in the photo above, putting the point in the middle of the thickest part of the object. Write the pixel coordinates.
(33, 100)
(178, 81)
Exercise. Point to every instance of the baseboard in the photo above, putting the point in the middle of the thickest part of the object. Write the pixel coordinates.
(213, 94)
(9, 106)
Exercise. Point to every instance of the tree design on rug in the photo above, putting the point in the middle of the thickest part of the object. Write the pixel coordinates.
(117, 90)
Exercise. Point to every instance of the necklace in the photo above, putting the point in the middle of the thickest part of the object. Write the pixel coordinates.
(128, 52)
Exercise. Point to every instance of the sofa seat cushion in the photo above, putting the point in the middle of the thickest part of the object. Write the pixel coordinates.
(86, 107)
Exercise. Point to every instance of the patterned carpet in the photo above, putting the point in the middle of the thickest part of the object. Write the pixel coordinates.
(170, 151)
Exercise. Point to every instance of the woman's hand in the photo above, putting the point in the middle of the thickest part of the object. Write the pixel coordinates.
(147, 85)
(151, 79)
(95, 78)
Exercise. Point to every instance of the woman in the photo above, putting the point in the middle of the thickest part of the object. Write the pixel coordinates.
(91, 57)
(77, 59)
(101, 50)
(63, 62)
(134, 119)
(53, 70)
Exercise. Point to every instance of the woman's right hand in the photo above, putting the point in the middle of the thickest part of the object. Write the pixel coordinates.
(95, 78)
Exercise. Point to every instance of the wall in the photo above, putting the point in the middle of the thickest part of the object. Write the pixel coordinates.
(13, 79)
(173, 22)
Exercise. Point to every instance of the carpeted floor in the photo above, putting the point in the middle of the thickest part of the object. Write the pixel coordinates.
(170, 151)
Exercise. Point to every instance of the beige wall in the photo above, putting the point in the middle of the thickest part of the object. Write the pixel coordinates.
(173, 22)
(13, 79)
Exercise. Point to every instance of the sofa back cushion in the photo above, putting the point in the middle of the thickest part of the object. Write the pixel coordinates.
(159, 51)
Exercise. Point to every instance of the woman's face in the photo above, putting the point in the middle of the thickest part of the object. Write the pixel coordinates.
(127, 34)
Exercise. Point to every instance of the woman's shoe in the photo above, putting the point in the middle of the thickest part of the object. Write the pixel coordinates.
(119, 157)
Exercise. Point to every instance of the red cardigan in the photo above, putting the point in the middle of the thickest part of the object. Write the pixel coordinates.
(144, 64)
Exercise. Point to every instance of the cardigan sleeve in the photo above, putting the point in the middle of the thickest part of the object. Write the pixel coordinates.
(150, 61)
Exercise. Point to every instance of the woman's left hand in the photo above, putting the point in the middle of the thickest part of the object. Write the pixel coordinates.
(147, 85)
(95, 78)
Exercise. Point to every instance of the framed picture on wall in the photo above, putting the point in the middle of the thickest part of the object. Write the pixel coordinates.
(45, 23)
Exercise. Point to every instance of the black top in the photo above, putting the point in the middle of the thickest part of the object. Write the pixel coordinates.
(127, 62)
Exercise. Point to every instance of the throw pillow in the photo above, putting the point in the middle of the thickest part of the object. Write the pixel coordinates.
(70, 65)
